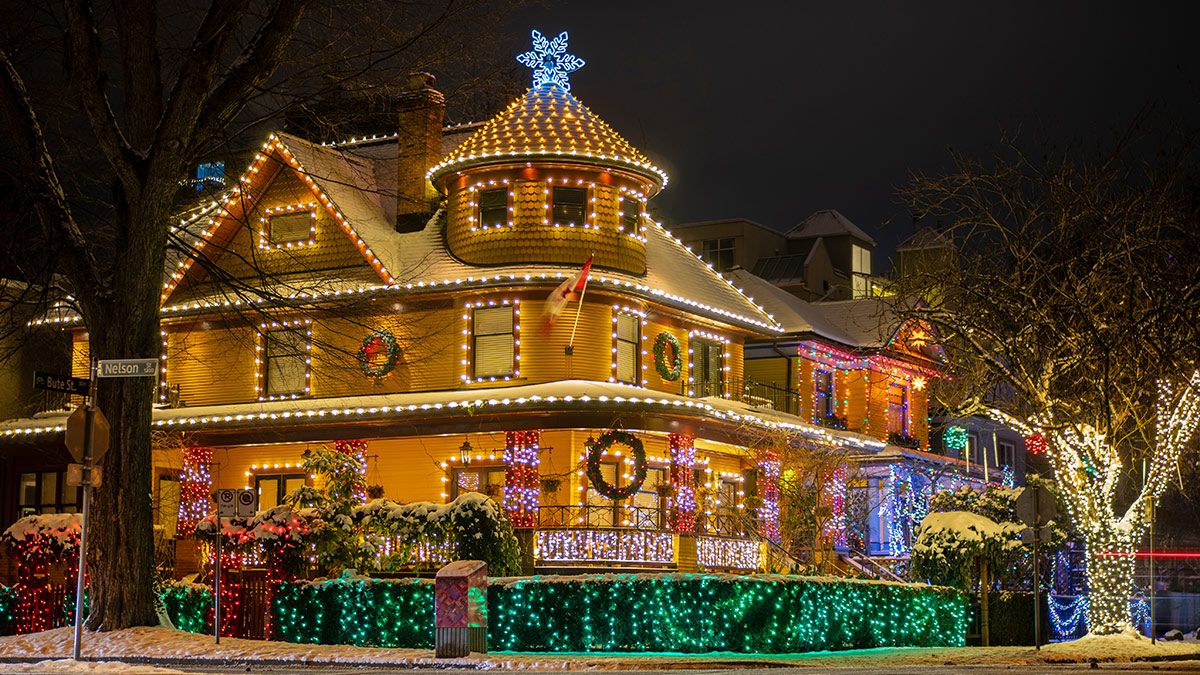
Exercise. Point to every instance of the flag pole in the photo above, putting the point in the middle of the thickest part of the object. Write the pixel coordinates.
(570, 350)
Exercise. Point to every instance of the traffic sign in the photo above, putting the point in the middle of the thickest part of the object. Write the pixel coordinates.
(73, 438)
(127, 368)
(53, 382)
(247, 502)
(227, 503)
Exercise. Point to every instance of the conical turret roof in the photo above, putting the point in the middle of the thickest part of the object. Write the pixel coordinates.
(548, 123)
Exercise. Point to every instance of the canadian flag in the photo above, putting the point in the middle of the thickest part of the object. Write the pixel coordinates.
(558, 299)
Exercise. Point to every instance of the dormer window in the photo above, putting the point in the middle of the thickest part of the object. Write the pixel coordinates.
(568, 206)
(290, 229)
(493, 207)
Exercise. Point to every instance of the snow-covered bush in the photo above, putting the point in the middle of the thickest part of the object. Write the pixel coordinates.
(189, 606)
(949, 544)
(53, 534)
(472, 527)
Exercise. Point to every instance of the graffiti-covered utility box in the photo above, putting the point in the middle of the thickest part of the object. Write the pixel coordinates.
(460, 608)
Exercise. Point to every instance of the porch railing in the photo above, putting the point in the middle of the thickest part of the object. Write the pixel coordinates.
(752, 392)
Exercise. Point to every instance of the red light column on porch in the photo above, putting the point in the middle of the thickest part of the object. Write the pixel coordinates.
(768, 490)
(682, 517)
(195, 486)
(522, 478)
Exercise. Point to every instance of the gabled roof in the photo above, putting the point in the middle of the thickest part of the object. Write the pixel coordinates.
(828, 223)
(349, 178)
(547, 123)
(927, 237)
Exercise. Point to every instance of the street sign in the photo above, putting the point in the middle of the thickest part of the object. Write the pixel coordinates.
(75, 475)
(53, 382)
(227, 503)
(1036, 507)
(73, 438)
(127, 368)
(247, 502)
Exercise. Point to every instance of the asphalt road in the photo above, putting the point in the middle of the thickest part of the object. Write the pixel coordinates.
(1166, 667)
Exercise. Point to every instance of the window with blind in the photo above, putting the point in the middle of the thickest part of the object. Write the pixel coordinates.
(569, 205)
(494, 346)
(287, 362)
(628, 338)
(290, 228)
(708, 367)
(493, 207)
(898, 409)
(824, 404)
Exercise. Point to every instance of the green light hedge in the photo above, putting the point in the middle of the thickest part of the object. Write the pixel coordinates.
(649, 612)
(189, 606)
(8, 606)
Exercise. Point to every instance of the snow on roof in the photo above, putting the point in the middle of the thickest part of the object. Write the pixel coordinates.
(926, 237)
(563, 394)
(547, 122)
(828, 223)
(867, 322)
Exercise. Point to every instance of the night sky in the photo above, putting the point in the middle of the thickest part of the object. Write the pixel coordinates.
(772, 111)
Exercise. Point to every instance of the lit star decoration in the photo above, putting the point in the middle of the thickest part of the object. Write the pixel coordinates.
(550, 61)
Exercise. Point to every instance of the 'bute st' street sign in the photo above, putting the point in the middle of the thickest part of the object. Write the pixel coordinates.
(127, 368)
(52, 382)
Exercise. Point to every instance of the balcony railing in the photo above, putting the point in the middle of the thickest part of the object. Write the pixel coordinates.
(757, 394)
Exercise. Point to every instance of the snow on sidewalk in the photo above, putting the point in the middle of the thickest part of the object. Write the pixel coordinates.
(170, 647)
(55, 666)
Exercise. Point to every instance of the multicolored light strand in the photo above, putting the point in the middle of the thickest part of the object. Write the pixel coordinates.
(195, 486)
(522, 480)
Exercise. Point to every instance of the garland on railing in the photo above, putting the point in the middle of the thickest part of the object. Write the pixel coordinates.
(522, 478)
(600, 447)
(672, 371)
(682, 516)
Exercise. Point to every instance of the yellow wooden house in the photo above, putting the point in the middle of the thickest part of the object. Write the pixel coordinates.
(394, 290)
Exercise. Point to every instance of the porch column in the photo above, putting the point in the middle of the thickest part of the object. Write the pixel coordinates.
(522, 480)
(682, 515)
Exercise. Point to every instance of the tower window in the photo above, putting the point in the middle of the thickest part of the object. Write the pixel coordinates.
(569, 205)
(493, 207)
(631, 214)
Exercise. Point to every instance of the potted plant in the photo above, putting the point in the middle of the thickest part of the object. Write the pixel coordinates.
(551, 484)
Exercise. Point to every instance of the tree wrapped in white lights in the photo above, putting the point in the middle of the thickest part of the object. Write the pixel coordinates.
(1064, 287)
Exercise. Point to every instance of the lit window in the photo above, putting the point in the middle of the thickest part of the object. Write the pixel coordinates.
(485, 480)
(708, 367)
(824, 403)
(210, 174)
(493, 207)
(274, 488)
(46, 492)
(1006, 453)
(898, 409)
(718, 253)
(494, 346)
(569, 205)
(628, 337)
(290, 228)
(860, 270)
(287, 362)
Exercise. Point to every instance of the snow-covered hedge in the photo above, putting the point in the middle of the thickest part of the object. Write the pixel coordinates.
(53, 533)
(639, 612)
(189, 606)
(949, 544)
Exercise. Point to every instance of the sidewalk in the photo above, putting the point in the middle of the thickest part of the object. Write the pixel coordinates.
(166, 648)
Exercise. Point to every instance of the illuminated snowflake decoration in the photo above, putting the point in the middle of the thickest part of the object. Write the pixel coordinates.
(550, 61)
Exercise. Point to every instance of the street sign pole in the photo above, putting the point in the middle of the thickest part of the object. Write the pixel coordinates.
(1037, 608)
(87, 502)
(217, 585)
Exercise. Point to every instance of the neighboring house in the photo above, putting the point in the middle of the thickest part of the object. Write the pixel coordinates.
(825, 257)
(393, 291)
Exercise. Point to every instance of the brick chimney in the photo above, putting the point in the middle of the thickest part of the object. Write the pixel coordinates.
(422, 109)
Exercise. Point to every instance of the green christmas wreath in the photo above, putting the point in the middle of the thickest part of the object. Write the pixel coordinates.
(668, 372)
(379, 353)
(602, 444)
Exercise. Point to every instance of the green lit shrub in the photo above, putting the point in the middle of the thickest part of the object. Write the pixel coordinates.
(644, 612)
(8, 605)
(189, 606)
(355, 611)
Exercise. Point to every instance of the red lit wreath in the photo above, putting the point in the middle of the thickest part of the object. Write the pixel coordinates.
(596, 476)
(379, 353)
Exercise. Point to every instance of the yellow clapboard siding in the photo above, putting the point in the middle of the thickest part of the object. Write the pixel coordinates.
(211, 365)
(542, 354)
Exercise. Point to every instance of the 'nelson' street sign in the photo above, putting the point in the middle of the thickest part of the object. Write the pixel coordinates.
(127, 368)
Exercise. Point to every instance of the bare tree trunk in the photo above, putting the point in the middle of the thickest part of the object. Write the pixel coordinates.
(1110, 577)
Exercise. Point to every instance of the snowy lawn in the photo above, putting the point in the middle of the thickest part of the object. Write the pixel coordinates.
(169, 647)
